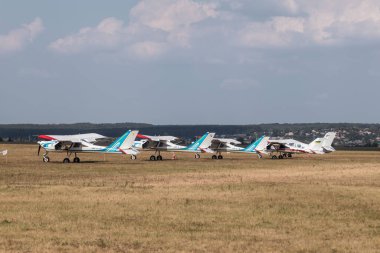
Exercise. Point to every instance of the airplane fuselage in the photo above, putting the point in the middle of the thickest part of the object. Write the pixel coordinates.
(79, 147)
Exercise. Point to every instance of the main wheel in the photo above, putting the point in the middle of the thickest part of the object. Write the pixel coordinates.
(280, 157)
(76, 160)
(152, 158)
(197, 156)
(66, 160)
(220, 157)
(274, 157)
(159, 158)
(290, 155)
(46, 159)
(214, 157)
(133, 157)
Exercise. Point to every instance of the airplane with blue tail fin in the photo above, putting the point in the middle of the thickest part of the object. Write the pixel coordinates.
(159, 144)
(220, 145)
(85, 143)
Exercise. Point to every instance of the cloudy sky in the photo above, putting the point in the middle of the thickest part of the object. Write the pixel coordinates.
(189, 62)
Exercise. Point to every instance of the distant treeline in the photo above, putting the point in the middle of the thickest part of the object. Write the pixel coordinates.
(304, 131)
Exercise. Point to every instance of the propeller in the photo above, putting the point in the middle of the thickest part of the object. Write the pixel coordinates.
(39, 149)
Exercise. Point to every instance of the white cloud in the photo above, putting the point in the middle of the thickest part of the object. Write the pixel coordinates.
(291, 5)
(108, 34)
(277, 32)
(155, 26)
(18, 39)
(147, 49)
(322, 22)
(169, 15)
(207, 28)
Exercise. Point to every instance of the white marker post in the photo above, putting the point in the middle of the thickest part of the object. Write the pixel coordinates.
(5, 153)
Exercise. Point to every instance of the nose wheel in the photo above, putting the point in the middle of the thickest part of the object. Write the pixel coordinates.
(197, 156)
(133, 157)
(46, 159)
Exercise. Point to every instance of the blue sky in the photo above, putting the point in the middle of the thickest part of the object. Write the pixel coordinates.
(190, 62)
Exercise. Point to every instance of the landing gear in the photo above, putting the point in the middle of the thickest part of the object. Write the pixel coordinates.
(156, 158)
(76, 159)
(66, 160)
(274, 157)
(197, 156)
(46, 159)
(133, 157)
(219, 157)
(290, 155)
(280, 157)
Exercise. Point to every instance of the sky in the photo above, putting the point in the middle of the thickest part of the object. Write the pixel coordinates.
(189, 62)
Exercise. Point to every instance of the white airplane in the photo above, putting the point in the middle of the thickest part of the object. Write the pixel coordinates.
(166, 143)
(220, 145)
(84, 143)
(286, 147)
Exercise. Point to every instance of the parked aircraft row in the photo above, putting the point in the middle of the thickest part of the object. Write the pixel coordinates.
(127, 144)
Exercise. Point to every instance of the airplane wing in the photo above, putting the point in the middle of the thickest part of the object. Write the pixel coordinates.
(91, 137)
(281, 141)
(223, 140)
(221, 143)
(157, 138)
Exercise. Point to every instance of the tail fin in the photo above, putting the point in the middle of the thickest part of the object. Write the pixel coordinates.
(327, 142)
(316, 144)
(262, 145)
(328, 139)
(124, 142)
(203, 142)
(251, 147)
(207, 141)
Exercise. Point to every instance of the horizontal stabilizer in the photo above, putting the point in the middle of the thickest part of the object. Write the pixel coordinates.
(207, 150)
(129, 151)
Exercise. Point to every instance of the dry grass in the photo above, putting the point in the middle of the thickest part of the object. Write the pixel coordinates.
(307, 204)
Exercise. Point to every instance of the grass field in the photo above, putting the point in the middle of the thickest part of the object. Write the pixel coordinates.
(325, 203)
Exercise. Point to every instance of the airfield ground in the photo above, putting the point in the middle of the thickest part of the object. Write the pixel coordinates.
(325, 203)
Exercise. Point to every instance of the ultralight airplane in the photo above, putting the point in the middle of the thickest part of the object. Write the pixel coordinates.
(287, 147)
(160, 144)
(220, 145)
(85, 143)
